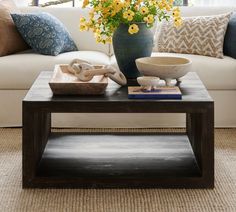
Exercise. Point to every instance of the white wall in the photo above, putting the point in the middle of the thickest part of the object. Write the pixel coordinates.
(21, 3)
(214, 2)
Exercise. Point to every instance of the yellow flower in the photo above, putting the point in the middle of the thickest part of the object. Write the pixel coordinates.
(164, 2)
(109, 40)
(160, 5)
(98, 35)
(165, 5)
(98, 31)
(168, 7)
(95, 29)
(129, 15)
(98, 7)
(144, 10)
(98, 39)
(133, 28)
(176, 12)
(82, 20)
(83, 27)
(177, 17)
(152, 2)
(126, 4)
(85, 3)
(117, 5)
(89, 24)
(149, 19)
(91, 13)
(83, 24)
(113, 13)
(178, 22)
(105, 10)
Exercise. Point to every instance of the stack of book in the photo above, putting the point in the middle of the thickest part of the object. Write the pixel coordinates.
(162, 92)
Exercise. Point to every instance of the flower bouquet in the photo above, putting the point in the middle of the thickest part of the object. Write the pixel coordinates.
(128, 23)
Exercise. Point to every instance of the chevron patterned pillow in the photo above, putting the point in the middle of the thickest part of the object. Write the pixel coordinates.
(202, 35)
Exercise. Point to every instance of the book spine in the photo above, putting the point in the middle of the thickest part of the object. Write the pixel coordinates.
(172, 96)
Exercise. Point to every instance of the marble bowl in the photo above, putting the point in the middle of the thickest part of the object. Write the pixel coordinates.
(166, 68)
(148, 83)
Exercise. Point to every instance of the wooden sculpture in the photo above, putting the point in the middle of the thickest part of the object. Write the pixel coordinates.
(85, 71)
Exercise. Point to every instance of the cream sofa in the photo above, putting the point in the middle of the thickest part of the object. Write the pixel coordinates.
(19, 71)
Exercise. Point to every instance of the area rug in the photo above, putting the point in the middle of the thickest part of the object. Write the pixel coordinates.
(13, 198)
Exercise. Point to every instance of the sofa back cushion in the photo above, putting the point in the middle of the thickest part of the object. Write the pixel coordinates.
(205, 10)
(10, 39)
(70, 17)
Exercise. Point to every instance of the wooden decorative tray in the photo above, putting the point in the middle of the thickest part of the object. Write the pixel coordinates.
(65, 83)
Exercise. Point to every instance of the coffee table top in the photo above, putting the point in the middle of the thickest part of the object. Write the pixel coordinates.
(192, 89)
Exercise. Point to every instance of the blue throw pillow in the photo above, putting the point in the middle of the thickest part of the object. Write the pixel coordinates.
(44, 33)
(230, 38)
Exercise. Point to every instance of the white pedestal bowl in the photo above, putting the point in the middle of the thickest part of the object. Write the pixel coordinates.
(166, 68)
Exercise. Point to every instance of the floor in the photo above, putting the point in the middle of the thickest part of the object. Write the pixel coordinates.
(13, 198)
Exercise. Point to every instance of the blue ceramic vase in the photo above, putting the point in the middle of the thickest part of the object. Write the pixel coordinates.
(129, 47)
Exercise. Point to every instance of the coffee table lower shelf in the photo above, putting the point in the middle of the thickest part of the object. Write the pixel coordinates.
(117, 160)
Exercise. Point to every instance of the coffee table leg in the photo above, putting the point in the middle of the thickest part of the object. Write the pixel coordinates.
(200, 130)
(36, 129)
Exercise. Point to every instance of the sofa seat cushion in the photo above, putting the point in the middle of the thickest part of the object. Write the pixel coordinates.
(19, 71)
(216, 74)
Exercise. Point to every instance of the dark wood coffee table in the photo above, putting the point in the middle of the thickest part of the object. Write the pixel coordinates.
(72, 160)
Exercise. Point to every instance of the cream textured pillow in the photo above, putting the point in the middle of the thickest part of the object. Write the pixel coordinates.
(10, 39)
(203, 35)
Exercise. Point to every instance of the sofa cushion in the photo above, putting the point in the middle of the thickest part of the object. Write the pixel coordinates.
(216, 74)
(230, 38)
(44, 33)
(197, 35)
(70, 17)
(20, 70)
(10, 39)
